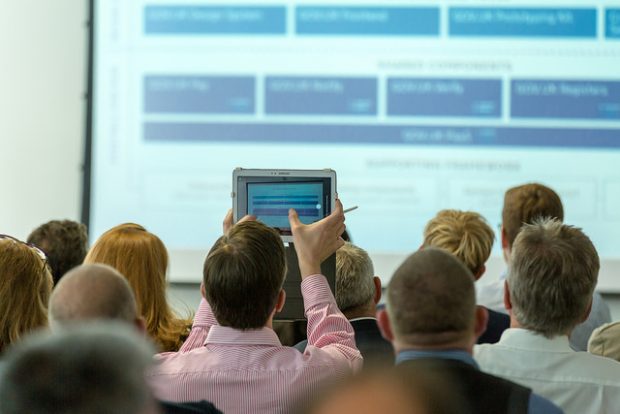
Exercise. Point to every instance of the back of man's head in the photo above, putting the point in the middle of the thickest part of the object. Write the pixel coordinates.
(243, 275)
(552, 275)
(465, 234)
(65, 243)
(431, 300)
(355, 274)
(526, 203)
(95, 369)
(89, 292)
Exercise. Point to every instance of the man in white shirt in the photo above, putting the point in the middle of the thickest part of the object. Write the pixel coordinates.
(522, 205)
(553, 272)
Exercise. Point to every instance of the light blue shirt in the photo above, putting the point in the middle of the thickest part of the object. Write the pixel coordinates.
(536, 405)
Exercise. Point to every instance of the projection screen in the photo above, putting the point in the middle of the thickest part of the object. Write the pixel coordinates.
(418, 106)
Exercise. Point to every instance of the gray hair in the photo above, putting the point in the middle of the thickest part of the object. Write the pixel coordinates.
(95, 369)
(93, 291)
(354, 277)
(553, 271)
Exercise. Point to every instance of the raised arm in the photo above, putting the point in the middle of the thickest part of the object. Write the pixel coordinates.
(328, 328)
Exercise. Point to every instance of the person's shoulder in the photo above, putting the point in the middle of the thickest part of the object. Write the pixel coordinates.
(601, 367)
(168, 362)
(485, 349)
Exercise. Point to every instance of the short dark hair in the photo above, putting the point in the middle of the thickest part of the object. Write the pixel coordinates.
(431, 299)
(65, 243)
(243, 274)
(526, 203)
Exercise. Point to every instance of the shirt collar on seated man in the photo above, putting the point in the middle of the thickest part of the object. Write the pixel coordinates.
(224, 335)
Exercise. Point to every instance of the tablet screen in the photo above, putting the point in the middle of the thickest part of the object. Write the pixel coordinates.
(270, 202)
(270, 198)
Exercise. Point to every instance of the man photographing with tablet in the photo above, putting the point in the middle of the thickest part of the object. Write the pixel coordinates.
(233, 357)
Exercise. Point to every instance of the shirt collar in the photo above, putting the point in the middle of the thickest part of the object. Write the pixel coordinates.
(530, 340)
(504, 275)
(229, 336)
(363, 318)
(455, 354)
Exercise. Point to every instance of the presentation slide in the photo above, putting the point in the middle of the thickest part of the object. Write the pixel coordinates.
(418, 106)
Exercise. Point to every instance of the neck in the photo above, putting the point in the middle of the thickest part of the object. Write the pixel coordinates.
(461, 345)
(514, 323)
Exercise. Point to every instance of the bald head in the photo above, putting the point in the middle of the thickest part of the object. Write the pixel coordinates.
(431, 300)
(93, 291)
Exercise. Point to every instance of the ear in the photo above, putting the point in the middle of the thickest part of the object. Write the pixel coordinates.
(507, 300)
(203, 291)
(281, 300)
(505, 244)
(504, 237)
(480, 272)
(482, 319)
(140, 325)
(377, 283)
(588, 310)
(383, 320)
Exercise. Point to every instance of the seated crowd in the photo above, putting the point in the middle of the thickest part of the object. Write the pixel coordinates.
(91, 330)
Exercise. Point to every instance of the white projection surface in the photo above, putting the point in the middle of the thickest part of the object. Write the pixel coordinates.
(418, 106)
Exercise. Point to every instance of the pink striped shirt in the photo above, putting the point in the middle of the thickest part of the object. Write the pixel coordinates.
(250, 371)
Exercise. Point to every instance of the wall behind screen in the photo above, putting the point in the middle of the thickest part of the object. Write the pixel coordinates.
(42, 78)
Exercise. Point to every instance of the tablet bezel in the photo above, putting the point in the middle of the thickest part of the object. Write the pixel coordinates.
(284, 175)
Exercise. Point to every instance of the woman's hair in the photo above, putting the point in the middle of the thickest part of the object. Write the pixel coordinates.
(25, 288)
(142, 258)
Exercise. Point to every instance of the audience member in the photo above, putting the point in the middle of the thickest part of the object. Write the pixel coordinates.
(432, 320)
(99, 293)
(142, 258)
(65, 243)
(467, 235)
(96, 369)
(358, 292)
(553, 272)
(93, 292)
(241, 366)
(25, 287)
(605, 341)
(397, 391)
(523, 205)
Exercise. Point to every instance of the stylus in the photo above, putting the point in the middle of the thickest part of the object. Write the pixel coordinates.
(350, 209)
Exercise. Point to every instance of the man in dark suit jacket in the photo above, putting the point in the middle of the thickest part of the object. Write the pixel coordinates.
(358, 292)
(432, 320)
(468, 236)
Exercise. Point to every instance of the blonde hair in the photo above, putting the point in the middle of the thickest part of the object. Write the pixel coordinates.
(142, 258)
(354, 277)
(25, 287)
(465, 234)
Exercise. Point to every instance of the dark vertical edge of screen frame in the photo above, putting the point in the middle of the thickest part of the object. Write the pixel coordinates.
(88, 135)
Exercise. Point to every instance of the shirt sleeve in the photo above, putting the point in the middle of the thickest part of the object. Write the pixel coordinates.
(203, 321)
(328, 328)
(540, 405)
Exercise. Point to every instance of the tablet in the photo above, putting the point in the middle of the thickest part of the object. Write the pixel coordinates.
(269, 194)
